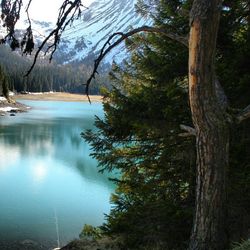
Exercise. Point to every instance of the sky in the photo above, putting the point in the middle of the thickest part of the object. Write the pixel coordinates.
(47, 10)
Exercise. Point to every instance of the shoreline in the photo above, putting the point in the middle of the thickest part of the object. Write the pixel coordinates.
(12, 105)
(57, 96)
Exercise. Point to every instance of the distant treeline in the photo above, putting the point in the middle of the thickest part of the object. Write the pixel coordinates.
(47, 76)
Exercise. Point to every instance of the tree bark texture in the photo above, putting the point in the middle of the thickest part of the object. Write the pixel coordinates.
(212, 130)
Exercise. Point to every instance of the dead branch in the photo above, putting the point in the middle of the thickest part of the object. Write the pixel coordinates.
(10, 13)
(189, 131)
(108, 46)
(244, 114)
(66, 16)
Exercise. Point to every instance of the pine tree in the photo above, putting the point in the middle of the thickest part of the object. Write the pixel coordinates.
(4, 90)
(140, 137)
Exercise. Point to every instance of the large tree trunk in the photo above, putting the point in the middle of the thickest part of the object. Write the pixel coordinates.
(212, 132)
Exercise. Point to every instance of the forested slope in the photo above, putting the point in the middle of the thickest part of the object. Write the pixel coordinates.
(47, 76)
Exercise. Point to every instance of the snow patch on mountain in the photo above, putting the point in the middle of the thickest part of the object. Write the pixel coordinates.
(85, 38)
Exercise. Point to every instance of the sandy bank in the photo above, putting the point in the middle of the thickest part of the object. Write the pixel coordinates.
(58, 96)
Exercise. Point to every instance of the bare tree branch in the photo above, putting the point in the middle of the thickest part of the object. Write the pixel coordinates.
(189, 131)
(27, 43)
(10, 14)
(64, 18)
(27, 11)
(244, 114)
(108, 46)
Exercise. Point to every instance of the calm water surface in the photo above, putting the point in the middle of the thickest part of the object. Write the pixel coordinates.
(45, 169)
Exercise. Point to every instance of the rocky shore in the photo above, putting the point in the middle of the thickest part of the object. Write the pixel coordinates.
(11, 107)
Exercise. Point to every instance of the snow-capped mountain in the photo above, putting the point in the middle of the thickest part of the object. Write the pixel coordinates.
(86, 36)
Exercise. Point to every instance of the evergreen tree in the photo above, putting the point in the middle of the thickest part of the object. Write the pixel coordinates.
(140, 135)
(4, 89)
(47, 76)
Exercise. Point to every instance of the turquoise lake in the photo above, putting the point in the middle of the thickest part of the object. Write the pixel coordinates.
(45, 169)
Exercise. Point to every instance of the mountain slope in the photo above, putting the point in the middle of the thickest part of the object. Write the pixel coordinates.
(82, 41)
(87, 35)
